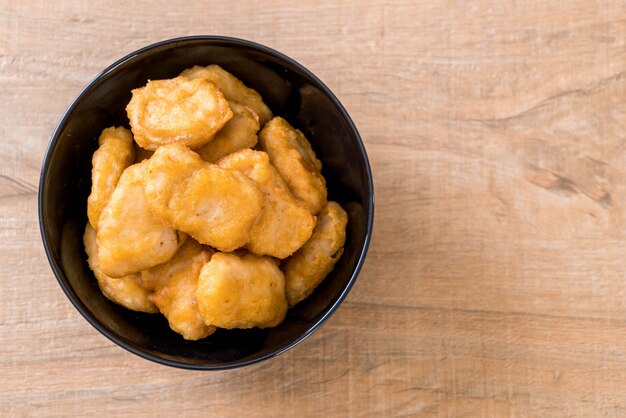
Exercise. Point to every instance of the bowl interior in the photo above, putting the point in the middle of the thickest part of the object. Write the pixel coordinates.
(291, 92)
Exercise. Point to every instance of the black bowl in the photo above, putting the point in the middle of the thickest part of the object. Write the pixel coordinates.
(291, 91)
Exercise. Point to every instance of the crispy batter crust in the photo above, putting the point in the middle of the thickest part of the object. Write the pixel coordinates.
(285, 224)
(174, 285)
(293, 157)
(234, 90)
(130, 237)
(311, 264)
(241, 292)
(127, 291)
(115, 153)
(182, 110)
(215, 206)
(239, 133)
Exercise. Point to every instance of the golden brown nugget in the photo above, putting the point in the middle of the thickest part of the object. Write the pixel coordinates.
(241, 292)
(311, 264)
(115, 153)
(234, 90)
(183, 110)
(127, 291)
(239, 133)
(130, 237)
(215, 206)
(174, 284)
(293, 157)
(285, 224)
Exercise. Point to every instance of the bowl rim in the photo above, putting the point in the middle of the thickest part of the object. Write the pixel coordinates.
(57, 270)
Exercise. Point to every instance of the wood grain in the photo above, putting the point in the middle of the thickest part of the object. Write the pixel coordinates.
(495, 283)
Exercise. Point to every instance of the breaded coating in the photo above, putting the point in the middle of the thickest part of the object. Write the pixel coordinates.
(127, 291)
(285, 224)
(130, 237)
(115, 153)
(234, 90)
(293, 157)
(309, 266)
(215, 206)
(174, 284)
(241, 292)
(181, 110)
(239, 133)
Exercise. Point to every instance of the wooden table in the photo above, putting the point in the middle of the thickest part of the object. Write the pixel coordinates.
(495, 283)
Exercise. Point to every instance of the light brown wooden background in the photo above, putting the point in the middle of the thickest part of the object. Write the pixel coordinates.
(496, 281)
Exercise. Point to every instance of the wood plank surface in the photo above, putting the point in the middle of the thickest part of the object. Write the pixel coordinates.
(496, 280)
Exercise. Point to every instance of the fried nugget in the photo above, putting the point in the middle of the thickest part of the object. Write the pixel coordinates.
(174, 284)
(293, 157)
(130, 237)
(239, 133)
(310, 264)
(241, 292)
(183, 110)
(215, 206)
(234, 90)
(115, 153)
(285, 224)
(127, 291)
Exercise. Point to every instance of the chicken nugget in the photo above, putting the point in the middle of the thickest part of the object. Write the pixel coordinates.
(241, 292)
(234, 90)
(215, 206)
(310, 264)
(239, 133)
(127, 291)
(174, 284)
(293, 157)
(115, 153)
(285, 224)
(183, 110)
(130, 237)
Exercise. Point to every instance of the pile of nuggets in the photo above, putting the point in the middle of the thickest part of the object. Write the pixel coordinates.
(211, 211)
